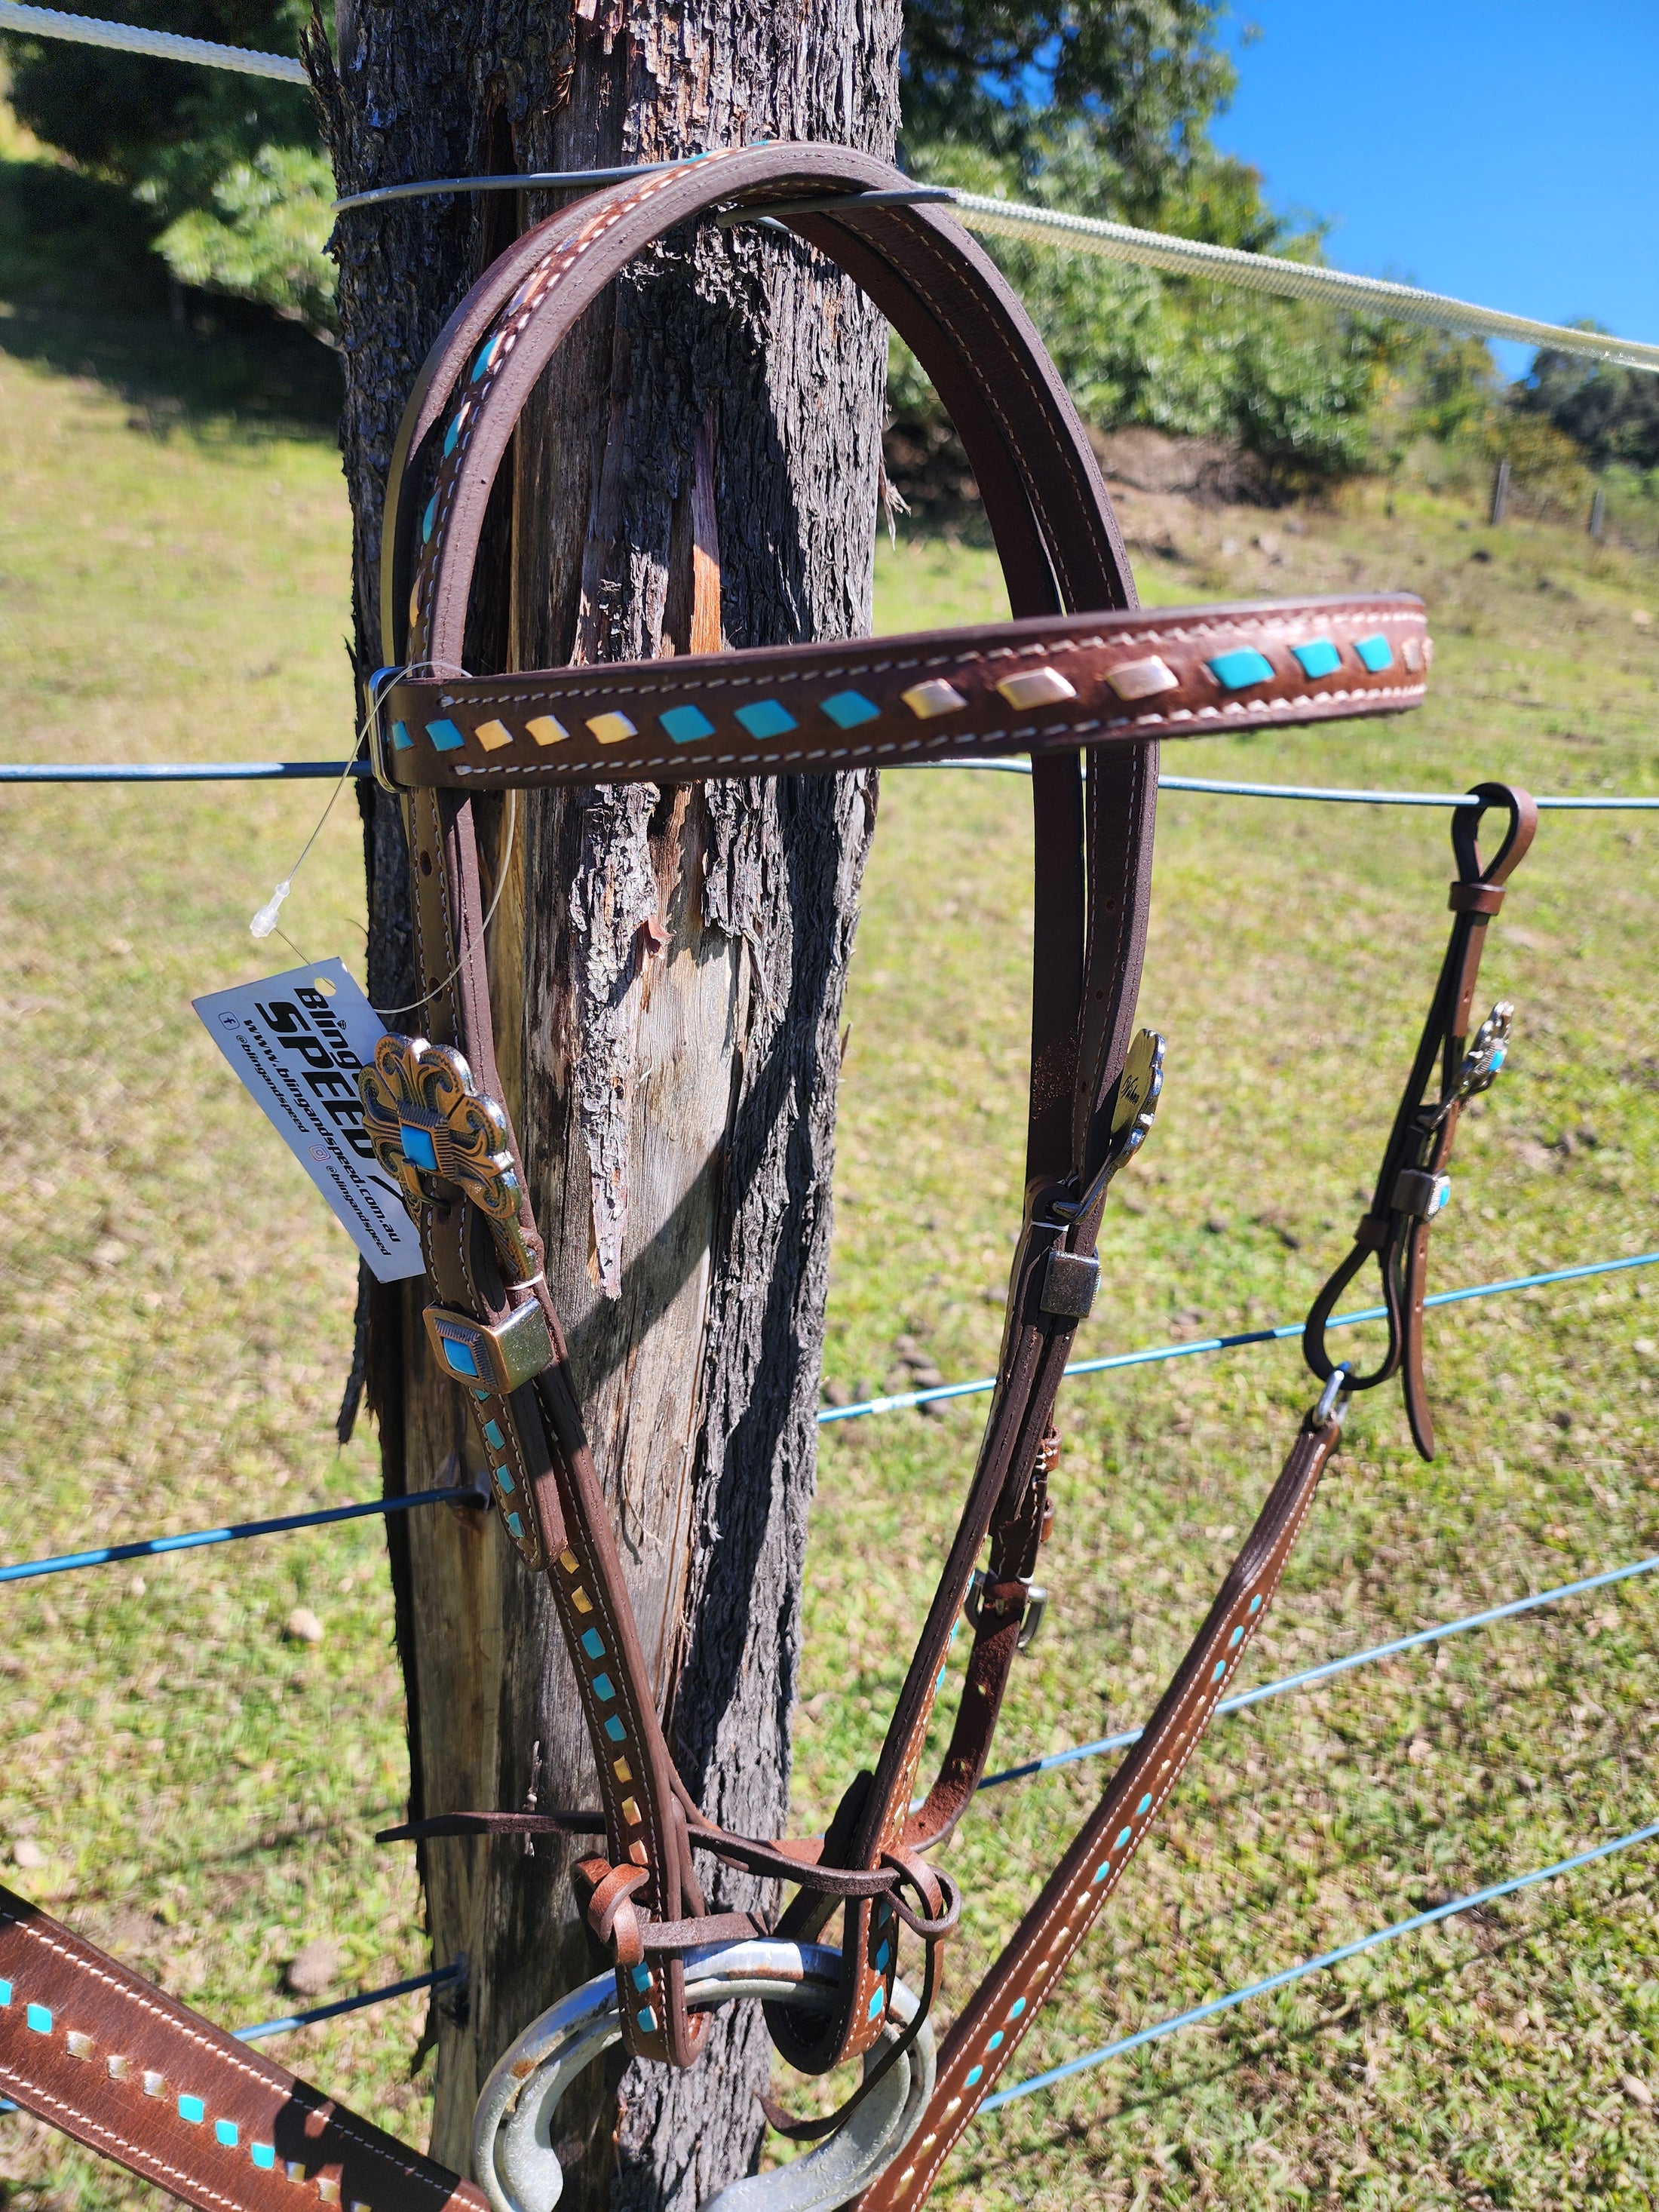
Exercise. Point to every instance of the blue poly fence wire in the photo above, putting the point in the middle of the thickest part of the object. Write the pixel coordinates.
(439, 1978)
(1316, 1965)
(151, 1547)
(1309, 1677)
(1194, 1348)
(315, 771)
(64, 1563)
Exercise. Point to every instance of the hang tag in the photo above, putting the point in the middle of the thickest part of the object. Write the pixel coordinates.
(296, 1041)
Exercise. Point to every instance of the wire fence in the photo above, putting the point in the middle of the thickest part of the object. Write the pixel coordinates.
(326, 771)
(1043, 225)
(1122, 243)
(1319, 1964)
(1197, 1347)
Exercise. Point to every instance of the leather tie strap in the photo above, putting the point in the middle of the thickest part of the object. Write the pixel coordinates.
(104, 2056)
(1413, 1185)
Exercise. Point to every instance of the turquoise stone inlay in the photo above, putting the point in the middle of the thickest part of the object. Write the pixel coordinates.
(226, 2133)
(401, 740)
(604, 1688)
(453, 433)
(1123, 1838)
(973, 2075)
(514, 1525)
(1255, 1605)
(847, 709)
(1016, 2007)
(263, 2155)
(40, 2018)
(1220, 1669)
(1145, 1806)
(593, 1643)
(483, 360)
(1103, 1869)
(461, 1357)
(1319, 657)
(685, 725)
(428, 518)
(877, 2002)
(879, 1962)
(418, 1148)
(192, 2109)
(493, 1435)
(1235, 1639)
(995, 2044)
(1237, 671)
(1375, 652)
(615, 1730)
(5, 1993)
(647, 2020)
(445, 737)
(641, 1977)
(766, 718)
(504, 1478)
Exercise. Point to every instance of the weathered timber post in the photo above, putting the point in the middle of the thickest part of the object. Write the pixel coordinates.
(667, 966)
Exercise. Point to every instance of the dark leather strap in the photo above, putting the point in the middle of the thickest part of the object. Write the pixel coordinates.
(1410, 1187)
(105, 2056)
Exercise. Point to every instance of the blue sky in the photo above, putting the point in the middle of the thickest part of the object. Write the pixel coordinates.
(1502, 150)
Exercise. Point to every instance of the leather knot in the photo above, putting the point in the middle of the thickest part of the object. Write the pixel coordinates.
(607, 1909)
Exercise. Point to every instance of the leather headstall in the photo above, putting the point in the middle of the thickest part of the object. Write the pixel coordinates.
(1087, 682)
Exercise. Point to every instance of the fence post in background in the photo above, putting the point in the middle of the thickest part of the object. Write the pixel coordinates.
(1598, 513)
(1500, 493)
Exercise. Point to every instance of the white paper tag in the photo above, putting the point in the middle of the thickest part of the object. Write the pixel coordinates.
(296, 1041)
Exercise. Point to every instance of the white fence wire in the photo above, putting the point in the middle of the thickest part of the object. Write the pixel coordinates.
(1052, 227)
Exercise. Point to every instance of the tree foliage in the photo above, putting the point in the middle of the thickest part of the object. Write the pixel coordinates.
(1612, 414)
(226, 168)
(1103, 107)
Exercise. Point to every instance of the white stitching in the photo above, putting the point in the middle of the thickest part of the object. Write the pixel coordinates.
(332, 2113)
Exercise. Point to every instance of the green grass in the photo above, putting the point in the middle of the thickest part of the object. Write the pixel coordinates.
(174, 585)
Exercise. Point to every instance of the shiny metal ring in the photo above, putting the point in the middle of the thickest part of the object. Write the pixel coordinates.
(514, 2161)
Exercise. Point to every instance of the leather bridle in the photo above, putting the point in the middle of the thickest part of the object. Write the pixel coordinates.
(1087, 683)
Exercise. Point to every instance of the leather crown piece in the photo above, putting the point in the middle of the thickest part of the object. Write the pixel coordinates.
(1084, 681)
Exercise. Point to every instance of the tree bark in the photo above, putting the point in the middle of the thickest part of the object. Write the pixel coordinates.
(667, 967)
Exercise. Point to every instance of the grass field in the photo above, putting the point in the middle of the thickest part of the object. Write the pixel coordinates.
(191, 1789)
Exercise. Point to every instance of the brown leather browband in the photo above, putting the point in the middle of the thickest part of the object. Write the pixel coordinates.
(1080, 675)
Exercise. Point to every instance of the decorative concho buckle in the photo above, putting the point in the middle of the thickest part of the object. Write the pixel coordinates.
(441, 1138)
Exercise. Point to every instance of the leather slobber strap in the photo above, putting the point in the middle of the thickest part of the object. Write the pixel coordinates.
(1413, 1185)
(101, 2054)
(1077, 666)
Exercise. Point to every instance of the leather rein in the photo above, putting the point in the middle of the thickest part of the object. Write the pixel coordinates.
(1085, 682)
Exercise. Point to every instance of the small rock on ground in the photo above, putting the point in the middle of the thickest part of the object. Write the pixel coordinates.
(302, 1627)
(313, 1967)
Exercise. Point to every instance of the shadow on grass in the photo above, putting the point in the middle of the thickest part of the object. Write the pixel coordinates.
(85, 295)
(1262, 2042)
